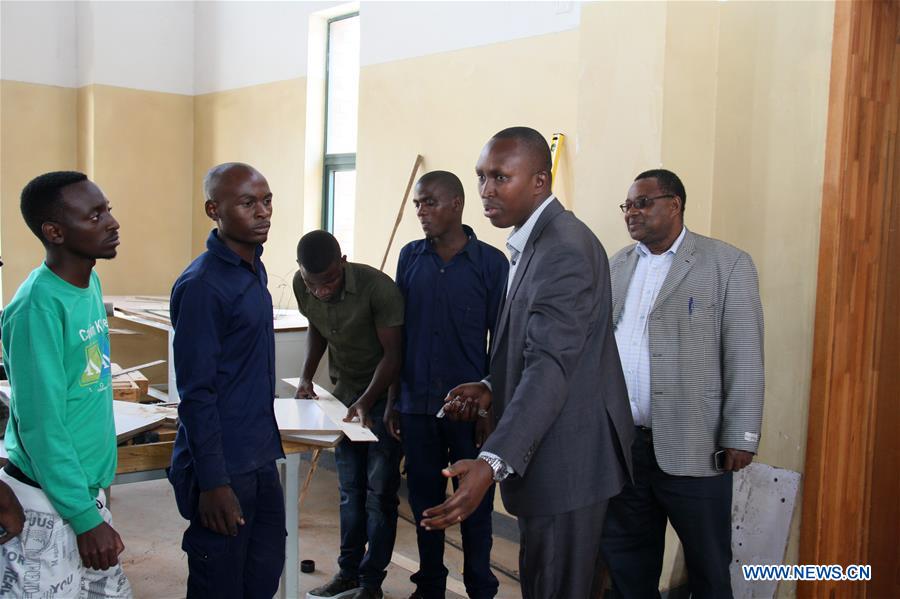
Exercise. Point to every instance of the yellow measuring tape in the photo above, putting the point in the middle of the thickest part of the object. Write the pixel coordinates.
(556, 143)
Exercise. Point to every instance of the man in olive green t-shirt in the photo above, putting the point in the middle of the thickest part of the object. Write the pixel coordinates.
(356, 312)
(61, 436)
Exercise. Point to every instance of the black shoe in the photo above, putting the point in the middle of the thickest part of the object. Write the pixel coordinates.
(366, 593)
(337, 588)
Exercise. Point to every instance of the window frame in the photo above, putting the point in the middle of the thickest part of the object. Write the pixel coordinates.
(332, 163)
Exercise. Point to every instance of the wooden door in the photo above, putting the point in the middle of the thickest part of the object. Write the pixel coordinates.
(851, 492)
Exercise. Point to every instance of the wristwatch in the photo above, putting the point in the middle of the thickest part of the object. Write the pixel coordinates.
(499, 467)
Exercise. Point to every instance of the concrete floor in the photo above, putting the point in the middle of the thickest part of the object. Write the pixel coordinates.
(146, 517)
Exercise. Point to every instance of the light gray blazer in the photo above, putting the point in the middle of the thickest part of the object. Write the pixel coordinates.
(706, 353)
(564, 422)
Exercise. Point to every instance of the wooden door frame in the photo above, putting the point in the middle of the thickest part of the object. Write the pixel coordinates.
(851, 483)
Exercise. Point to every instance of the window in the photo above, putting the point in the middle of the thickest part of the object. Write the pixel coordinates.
(341, 107)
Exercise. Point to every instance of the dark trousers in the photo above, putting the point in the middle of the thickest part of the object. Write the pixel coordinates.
(250, 564)
(634, 537)
(430, 444)
(368, 477)
(559, 554)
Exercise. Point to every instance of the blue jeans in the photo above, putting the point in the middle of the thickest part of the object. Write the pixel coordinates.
(430, 444)
(250, 564)
(369, 478)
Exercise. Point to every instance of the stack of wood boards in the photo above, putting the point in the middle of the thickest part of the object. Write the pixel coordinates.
(131, 386)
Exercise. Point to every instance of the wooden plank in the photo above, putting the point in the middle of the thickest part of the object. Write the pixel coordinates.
(141, 381)
(157, 394)
(134, 418)
(119, 371)
(299, 416)
(129, 384)
(157, 456)
(166, 434)
(336, 411)
(141, 458)
(156, 310)
(402, 209)
(124, 389)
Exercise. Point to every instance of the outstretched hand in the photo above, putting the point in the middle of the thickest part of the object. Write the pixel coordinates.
(475, 478)
(467, 402)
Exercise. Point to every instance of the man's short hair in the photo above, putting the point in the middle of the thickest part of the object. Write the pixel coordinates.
(535, 143)
(317, 251)
(40, 200)
(667, 181)
(215, 175)
(446, 180)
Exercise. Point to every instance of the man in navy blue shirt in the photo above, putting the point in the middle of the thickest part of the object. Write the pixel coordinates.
(453, 285)
(223, 465)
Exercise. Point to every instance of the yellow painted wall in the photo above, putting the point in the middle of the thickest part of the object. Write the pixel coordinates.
(264, 126)
(445, 107)
(142, 147)
(770, 141)
(37, 134)
(136, 145)
(775, 60)
(621, 59)
(733, 97)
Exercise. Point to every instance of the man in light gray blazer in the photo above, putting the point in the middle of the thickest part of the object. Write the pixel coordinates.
(689, 328)
(562, 444)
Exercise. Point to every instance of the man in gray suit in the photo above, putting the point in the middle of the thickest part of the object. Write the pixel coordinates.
(563, 434)
(689, 329)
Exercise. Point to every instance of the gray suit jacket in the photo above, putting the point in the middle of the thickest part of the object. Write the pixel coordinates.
(564, 423)
(706, 353)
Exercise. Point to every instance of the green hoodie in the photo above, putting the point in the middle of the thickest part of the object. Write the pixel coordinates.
(61, 430)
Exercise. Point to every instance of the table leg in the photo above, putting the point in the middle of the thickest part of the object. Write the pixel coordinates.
(313, 464)
(290, 482)
(172, 384)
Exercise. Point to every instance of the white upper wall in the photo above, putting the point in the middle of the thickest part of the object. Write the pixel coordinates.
(190, 47)
(139, 45)
(38, 42)
(398, 30)
(247, 43)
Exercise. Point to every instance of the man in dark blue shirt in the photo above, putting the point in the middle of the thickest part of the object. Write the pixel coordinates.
(223, 465)
(453, 285)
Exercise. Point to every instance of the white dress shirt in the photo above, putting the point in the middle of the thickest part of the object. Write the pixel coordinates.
(518, 239)
(632, 332)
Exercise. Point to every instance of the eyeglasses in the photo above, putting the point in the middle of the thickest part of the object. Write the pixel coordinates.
(642, 202)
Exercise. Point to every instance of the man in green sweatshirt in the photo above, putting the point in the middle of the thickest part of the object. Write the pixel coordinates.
(61, 436)
(12, 518)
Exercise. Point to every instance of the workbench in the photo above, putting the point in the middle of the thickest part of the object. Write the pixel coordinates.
(153, 312)
(149, 462)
